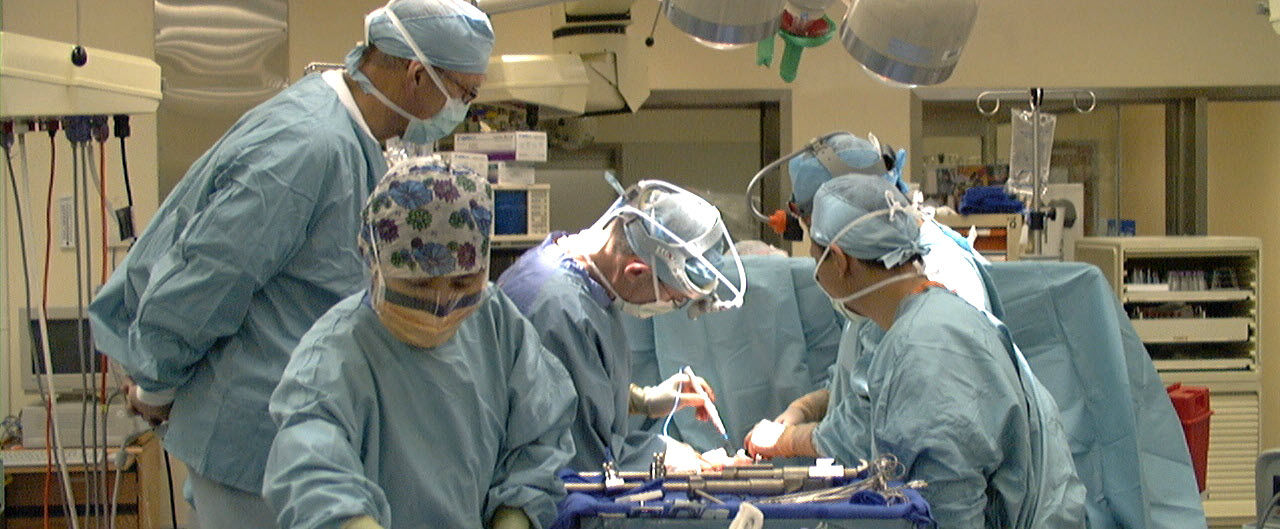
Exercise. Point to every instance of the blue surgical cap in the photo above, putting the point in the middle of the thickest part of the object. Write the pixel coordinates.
(689, 217)
(892, 236)
(807, 171)
(453, 34)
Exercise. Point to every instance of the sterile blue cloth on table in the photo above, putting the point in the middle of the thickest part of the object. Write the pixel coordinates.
(774, 349)
(578, 505)
(988, 199)
(1125, 437)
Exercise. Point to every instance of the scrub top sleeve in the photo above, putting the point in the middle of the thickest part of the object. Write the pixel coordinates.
(537, 442)
(579, 349)
(936, 416)
(314, 476)
(201, 287)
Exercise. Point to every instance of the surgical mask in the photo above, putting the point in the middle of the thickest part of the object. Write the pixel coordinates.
(839, 302)
(421, 322)
(419, 130)
(657, 307)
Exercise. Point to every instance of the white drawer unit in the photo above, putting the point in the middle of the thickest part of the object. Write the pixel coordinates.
(1194, 302)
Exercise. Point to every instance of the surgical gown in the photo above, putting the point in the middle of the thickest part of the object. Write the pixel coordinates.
(954, 264)
(414, 436)
(573, 316)
(785, 327)
(1126, 438)
(944, 391)
(254, 244)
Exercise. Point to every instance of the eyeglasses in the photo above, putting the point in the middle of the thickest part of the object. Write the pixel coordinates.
(468, 94)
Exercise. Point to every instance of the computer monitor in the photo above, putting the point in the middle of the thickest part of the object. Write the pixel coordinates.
(73, 354)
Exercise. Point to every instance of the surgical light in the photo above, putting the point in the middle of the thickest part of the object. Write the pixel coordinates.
(908, 42)
(725, 24)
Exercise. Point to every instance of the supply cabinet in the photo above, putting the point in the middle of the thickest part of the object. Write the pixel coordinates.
(1194, 302)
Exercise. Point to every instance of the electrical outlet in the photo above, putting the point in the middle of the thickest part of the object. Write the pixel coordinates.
(66, 223)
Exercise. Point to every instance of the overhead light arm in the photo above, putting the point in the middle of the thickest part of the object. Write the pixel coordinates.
(900, 42)
(495, 7)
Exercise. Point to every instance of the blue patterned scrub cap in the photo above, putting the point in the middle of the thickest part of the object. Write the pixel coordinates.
(428, 218)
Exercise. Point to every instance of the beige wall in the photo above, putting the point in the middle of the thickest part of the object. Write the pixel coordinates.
(1142, 167)
(1244, 192)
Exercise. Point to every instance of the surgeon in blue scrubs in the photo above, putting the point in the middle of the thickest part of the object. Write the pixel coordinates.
(951, 259)
(1071, 335)
(658, 248)
(785, 327)
(426, 400)
(258, 240)
(942, 388)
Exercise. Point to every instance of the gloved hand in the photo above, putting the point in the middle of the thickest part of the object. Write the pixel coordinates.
(657, 401)
(809, 408)
(150, 406)
(361, 522)
(680, 457)
(509, 518)
(796, 440)
(720, 458)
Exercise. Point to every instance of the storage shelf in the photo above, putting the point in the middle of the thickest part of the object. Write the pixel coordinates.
(1207, 364)
(1221, 353)
(517, 241)
(1187, 296)
(1189, 330)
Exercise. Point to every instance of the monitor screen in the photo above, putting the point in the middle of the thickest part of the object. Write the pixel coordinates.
(72, 353)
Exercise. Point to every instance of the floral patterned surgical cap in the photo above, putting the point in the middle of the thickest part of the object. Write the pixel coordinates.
(428, 218)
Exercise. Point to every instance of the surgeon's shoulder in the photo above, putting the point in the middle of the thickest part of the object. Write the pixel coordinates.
(553, 288)
(940, 316)
(336, 340)
(497, 305)
(309, 114)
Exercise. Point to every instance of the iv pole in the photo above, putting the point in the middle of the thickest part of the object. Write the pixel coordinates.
(1035, 98)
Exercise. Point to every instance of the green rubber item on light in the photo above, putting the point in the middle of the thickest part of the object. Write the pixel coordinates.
(795, 46)
(764, 52)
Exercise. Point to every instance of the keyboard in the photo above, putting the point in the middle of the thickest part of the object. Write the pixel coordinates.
(38, 458)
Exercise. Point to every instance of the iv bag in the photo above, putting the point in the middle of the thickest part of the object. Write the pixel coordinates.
(1022, 150)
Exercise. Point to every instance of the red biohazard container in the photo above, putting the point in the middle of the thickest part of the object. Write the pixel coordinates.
(1192, 405)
